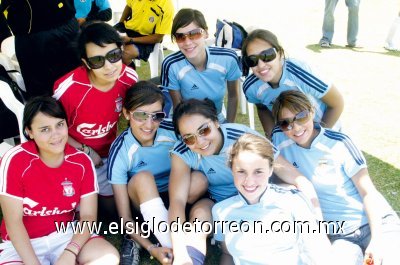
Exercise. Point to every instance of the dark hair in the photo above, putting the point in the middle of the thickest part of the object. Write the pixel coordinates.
(293, 100)
(264, 35)
(185, 16)
(99, 33)
(143, 93)
(193, 106)
(45, 105)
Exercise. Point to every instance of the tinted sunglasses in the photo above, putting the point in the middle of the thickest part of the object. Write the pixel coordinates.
(300, 118)
(143, 116)
(203, 131)
(194, 34)
(265, 56)
(112, 56)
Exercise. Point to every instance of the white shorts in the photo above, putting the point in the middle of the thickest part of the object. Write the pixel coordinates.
(48, 248)
(105, 188)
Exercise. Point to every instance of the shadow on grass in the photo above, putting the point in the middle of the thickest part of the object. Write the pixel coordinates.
(386, 179)
(318, 49)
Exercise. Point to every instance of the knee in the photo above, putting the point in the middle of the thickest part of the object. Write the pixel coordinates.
(98, 251)
(201, 210)
(198, 186)
(140, 179)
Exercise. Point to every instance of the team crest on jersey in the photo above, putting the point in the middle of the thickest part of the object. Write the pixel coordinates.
(118, 104)
(68, 189)
(151, 19)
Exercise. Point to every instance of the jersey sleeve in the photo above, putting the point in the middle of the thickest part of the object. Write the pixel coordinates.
(250, 89)
(234, 71)
(189, 157)
(89, 180)
(118, 166)
(169, 76)
(164, 25)
(307, 79)
(82, 8)
(11, 175)
(352, 158)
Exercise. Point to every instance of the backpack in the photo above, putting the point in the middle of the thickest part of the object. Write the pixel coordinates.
(8, 121)
(229, 34)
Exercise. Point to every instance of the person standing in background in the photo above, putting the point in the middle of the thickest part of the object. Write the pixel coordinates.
(329, 23)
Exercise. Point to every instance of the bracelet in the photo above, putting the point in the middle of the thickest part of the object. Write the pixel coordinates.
(68, 250)
(75, 245)
(149, 248)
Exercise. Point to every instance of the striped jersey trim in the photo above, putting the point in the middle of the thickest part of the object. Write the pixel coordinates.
(249, 82)
(307, 78)
(181, 148)
(354, 151)
(166, 65)
(234, 134)
(116, 145)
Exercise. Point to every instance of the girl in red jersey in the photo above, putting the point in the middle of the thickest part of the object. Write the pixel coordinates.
(42, 182)
(92, 96)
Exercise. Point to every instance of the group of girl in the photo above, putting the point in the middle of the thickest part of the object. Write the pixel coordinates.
(196, 167)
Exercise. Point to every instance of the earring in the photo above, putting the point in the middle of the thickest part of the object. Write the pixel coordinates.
(127, 118)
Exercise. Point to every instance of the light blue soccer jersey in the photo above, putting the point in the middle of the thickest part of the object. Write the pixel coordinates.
(258, 237)
(330, 163)
(127, 157)
(219, 175)
(296, 75)
(177, 73)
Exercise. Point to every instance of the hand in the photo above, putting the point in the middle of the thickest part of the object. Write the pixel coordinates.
(81, 20)
(66, 258)
(130, 52)
(96, 159)
(120, 27)
(162, 254)
(372, 254)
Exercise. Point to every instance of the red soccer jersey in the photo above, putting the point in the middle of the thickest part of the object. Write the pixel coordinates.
(48, 194)
(93, 114)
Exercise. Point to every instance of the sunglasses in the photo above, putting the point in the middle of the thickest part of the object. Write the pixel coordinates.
(112, 56)
(203, 131)
(194, 34)
(143, 116)
(300, 118)
(265, 56)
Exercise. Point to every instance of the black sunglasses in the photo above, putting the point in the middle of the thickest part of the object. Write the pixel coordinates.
(265, 56)
(112, 56)
(300, 118)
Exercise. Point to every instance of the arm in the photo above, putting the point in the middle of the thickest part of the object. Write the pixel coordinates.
(226, 257)
(149, 39)
(335, 104)
(88, 215)
(371, 199)
(233, 98)
(288, 173)
(126, 14)
(267, 122)
(176, 97)
(12, 214)
(96, 159)
(179, 185)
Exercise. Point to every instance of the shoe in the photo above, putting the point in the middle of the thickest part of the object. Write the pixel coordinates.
(350, 45)
(391, 48)
(324, 44)
(129, 252)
